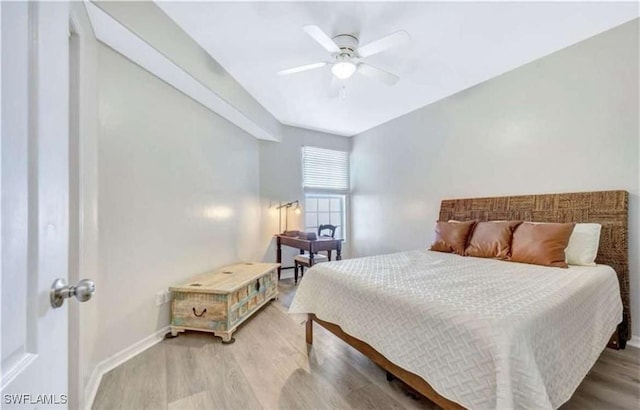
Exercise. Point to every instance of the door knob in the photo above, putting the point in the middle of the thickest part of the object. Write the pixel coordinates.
(61, 291)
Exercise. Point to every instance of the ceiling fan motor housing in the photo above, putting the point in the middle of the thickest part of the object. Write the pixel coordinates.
(348, 44)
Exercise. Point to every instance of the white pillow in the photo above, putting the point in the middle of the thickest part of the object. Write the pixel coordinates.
(583, 245)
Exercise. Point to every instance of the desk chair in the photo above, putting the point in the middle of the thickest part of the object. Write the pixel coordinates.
(302, 260)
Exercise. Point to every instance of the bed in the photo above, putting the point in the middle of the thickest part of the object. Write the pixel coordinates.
(481, 333)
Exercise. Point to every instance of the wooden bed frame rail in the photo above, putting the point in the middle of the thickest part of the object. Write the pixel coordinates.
(410, 379)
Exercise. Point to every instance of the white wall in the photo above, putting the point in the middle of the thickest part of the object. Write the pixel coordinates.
(178, 195)
(565, 123)
(281, 180)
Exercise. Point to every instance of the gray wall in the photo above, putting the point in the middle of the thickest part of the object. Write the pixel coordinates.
(281, 180)
(176, 189)
(567, 122)
(178, 195)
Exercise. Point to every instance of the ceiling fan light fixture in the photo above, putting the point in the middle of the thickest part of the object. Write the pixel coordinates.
(347, 55)
(343, 69)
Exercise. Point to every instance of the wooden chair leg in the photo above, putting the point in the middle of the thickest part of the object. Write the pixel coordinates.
(301, 270)
(295, 273)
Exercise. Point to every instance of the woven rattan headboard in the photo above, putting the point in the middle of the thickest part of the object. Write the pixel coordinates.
(608, 208)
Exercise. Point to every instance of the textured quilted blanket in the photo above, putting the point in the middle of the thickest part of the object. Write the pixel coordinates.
(484, 333)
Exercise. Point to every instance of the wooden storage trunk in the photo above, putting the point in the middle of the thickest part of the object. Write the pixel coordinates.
(219, 301)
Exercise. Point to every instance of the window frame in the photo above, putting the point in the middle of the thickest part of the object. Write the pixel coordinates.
(344, 197)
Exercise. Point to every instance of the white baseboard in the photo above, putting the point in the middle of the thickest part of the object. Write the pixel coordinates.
(116, 360)
(635, 341)
(91, 388)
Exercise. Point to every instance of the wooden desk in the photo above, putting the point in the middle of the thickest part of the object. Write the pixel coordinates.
(320, 244)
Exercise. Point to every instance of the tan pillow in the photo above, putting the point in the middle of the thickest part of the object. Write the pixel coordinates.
(491, 239)
(541, 243)
(452, 236)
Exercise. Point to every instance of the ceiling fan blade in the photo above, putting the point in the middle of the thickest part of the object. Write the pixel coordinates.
(377, 74)
(384, 43)
(322, 38)
(301, 68)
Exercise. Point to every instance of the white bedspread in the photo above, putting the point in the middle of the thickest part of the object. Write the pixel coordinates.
(484, 333)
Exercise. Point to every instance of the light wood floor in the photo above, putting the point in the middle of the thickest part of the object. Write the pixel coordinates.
(268, 367)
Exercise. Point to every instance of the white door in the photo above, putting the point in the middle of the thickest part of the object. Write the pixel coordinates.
(35, 189)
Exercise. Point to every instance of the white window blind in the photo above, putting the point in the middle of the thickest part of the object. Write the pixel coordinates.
(325, 169)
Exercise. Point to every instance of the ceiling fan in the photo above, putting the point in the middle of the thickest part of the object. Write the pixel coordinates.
(347, 55)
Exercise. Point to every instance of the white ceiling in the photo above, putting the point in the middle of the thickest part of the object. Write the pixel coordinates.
(453, 46)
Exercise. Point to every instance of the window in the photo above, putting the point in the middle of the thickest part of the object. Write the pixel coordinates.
(325, 178)
(322, 209)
